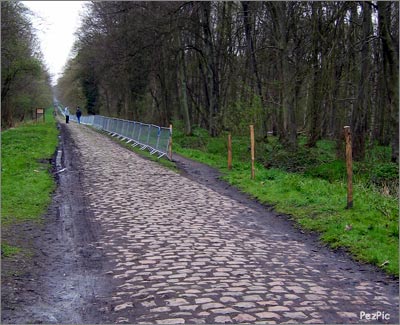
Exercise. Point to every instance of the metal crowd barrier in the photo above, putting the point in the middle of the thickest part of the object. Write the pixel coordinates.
(149, 137)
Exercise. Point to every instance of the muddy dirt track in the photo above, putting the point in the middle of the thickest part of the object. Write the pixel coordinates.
(127, 241)
(58, 283)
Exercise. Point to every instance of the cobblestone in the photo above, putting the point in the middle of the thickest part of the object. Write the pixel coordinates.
(180, 252)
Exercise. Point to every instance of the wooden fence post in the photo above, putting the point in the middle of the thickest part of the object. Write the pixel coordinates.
(229, 151)
(252, 150)
(349, 167)
(170, 143)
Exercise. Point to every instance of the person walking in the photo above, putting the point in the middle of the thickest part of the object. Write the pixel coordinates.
(78, 114)
(66, 113)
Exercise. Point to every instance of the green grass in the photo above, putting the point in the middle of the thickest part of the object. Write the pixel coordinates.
(8, 250)
(26, 182)
(310, 187)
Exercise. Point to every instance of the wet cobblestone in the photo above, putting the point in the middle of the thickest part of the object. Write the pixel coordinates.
(182, 253)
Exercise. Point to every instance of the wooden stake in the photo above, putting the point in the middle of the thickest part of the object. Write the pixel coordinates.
(229, 151)
(349, 166)
(252, 151)
(170, 143)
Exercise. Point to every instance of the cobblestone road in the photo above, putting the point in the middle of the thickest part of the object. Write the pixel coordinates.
(179, 252)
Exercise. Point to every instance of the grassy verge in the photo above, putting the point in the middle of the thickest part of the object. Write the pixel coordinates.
(369, 231)
(8, 250)
(26, 181)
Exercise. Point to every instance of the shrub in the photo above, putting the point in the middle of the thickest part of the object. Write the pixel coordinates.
(331, 171)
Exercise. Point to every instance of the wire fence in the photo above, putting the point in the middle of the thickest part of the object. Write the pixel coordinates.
(157, 140)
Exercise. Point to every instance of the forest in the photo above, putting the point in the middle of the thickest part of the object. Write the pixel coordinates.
(25, 81)
(290, 68)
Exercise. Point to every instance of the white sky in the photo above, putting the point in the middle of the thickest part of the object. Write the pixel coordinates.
(56, 23)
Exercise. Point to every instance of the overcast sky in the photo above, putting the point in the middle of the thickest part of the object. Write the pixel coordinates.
(56, 23)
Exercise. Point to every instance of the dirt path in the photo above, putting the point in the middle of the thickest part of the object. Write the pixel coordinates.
(130, 242)
(63, 276)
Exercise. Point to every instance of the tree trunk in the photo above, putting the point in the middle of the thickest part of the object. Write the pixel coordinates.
(211, 72)
(6, 113)
(254, 64)
(182, 78)
(390, 49)
(314, 109)
(359, 115)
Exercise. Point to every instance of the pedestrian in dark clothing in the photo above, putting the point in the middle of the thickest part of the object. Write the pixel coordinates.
(78, 114)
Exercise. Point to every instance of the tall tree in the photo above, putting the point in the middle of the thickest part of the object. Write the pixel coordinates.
(25, 82)
(388, 29)
(315, 89)
(359, 120)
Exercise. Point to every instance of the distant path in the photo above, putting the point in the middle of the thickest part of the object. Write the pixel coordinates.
(179, 252)
(129, 241)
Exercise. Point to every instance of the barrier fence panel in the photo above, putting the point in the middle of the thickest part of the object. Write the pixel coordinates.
(154, 138)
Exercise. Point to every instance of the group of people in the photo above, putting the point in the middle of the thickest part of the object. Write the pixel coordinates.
(78, 114)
